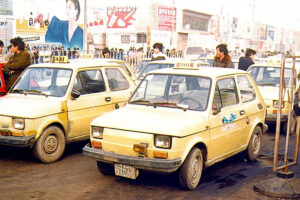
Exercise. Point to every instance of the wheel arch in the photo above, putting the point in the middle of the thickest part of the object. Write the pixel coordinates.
(48, 124)
(201, 145)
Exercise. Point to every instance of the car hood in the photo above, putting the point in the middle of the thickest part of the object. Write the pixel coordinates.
(270, 93)
(29, 106)
(160, 120)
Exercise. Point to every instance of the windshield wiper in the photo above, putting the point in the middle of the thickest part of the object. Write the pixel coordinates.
(35, 92)
(264, 84)
(17, 91)
(168, 104)
(141, 101)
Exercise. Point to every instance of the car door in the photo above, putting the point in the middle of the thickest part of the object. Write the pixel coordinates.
(120, 85)
(228, 123)
(94, 100)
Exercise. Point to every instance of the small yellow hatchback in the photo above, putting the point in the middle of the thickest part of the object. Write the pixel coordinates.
(267, 78)
(52, 104)
(183, 118)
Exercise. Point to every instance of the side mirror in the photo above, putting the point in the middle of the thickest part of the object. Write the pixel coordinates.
(215, 109)
(75, 94)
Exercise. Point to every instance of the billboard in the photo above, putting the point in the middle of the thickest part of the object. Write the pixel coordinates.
(166, 18)
(59, 21)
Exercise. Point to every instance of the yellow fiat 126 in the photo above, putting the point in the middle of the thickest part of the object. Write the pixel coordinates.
(183, 118)
(267, 77)
(52, 104)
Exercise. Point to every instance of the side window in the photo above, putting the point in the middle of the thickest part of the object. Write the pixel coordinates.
(90, 81)
(246, 89)
(116, 79)
(227, 91)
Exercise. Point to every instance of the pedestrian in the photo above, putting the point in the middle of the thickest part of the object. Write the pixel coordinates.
(35, 56)
(106, 52)
(17, 62)
(157, 52)
(247, 60)
(222, 58)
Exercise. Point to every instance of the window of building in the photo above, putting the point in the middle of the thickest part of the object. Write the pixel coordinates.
(141, 38)
(195, 20)
(125, 39)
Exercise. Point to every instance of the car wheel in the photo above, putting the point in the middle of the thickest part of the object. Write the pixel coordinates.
(191, 170)
(105, 169)
(254, 146)
(50, 145)
(293, 124)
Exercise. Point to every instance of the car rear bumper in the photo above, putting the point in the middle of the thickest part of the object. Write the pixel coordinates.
(149, 164)
(15, 141)
(273, 117)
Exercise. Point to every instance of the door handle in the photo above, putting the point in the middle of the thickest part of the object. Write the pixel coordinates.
(107, 99)
(242, 112)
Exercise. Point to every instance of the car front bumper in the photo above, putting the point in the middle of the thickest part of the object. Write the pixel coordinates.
(149, 164)
(15, 141)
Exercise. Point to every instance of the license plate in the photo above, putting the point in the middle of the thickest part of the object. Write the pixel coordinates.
(126, 171)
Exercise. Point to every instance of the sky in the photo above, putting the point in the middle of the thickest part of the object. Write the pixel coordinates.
(272, 12)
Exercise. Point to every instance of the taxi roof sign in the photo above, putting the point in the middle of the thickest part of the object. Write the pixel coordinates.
(186, 65)
(59, 59)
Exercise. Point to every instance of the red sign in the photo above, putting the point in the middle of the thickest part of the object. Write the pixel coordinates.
(166, 18)
(120, 17)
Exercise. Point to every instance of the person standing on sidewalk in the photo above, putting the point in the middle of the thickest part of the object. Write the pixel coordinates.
(222, 59)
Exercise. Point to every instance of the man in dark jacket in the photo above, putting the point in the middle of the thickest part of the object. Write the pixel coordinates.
(222, 59)
(17, 62)
(245, 62)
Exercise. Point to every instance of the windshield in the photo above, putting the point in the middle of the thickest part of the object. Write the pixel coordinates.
(178, 91)
(44, 81)
(265, 76)
(141, 66)
(154, 66)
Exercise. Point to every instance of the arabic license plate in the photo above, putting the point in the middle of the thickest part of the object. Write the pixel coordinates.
(126, 171)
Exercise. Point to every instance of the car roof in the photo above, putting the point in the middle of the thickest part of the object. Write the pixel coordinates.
(212, 72)
(78, 63)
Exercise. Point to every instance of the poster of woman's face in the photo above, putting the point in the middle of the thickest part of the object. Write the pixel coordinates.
(60, 21)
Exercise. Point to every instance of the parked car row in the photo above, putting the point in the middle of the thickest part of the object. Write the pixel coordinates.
(183, 115)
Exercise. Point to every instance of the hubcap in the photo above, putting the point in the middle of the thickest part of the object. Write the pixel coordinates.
(50, 144)
(256, 143)
(195, 168)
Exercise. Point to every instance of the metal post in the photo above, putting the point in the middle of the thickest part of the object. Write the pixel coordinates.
(278, 121)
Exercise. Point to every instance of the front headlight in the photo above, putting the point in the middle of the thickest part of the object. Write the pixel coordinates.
(276, 103)
(19, 123)
(162, 141)
(97, 132)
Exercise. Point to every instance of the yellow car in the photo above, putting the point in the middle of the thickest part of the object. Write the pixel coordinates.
(267, 77)
(181, 118)
(53, 104)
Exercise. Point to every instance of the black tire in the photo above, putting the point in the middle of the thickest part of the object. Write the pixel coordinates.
(50, 145)
(105, 169)
(191, 170)
(293, 124)
(254, 145)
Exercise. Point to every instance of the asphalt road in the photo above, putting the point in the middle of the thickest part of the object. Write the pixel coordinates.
(76, 176)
